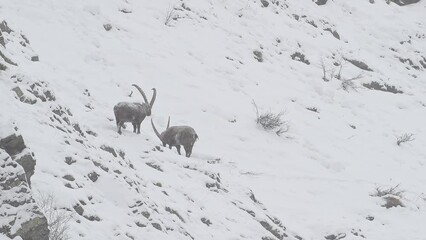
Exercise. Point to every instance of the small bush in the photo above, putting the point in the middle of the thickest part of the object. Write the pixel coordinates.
(57, 219)
(381, 192)
(271, 121)
(406, 137)
(348, 84)
(392, 196)
(170, 15)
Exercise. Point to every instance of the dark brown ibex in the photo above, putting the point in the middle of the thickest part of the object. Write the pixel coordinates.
(176, 136)
(133, 112)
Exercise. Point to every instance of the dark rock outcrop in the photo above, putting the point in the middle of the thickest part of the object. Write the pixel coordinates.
(20, 215)
(405, 2)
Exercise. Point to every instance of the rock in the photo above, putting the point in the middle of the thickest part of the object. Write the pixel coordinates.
(34, 58)
(157, 226)
(108, 26)
(68, 177)
(258, 55)
(320, 2)
(264, 3)
(93, 176)
(297, 56)
(34, 229)
(28, 163)
(405, 2)
(4, 27)
(109, 149)
(206, 221)
(334, 32)
(382, 87)
(359, 64)
(2, 42)
(69, 160)
(2, 66)
(12, 144)
(20, 215)
(22, 97)
(79, 209)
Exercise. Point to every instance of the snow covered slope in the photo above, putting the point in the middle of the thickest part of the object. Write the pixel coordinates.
(208, 62)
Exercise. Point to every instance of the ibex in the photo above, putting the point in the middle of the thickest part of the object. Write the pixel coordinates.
(133, 112)
(176, 136)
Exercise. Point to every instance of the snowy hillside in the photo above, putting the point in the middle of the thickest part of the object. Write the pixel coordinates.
(65, 64)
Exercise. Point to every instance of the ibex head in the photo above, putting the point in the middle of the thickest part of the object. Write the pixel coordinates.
(150, 104)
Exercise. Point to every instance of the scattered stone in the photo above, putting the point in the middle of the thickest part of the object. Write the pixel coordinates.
(258, 55)
(124, 10)
(7, 60)
(68, 177)
(70, 160)
(34, 58)
(92, 218)
(264, 3)
(106, 169)
(146, 214)
(334, 32)
(140, 224)
(90, 132)
(93, 176)
(370, 218)
(78, 209)
(4, 27)
(107, 27)
(155, 166)
(270, 229)
(109, 149)
(335, 237)
(206, 221)
(28, 164)
(157, 226)
(297, 56)
(2, 42)
(313, 109)
(2, 66)
(359, 64)
(122, 154)
(382, 87)
(172, 211)
(320, 2)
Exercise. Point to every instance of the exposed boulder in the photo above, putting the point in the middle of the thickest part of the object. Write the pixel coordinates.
(320, 2)
(20, 216)
(405, 2)
(12, 144)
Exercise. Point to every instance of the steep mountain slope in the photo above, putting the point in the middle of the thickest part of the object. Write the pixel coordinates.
(208, 62)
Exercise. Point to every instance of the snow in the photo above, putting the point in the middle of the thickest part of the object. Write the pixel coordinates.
(317, 178)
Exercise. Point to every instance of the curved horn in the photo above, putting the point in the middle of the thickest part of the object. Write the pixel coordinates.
(168, 123)
(142, 93)
(155, 130)
(153, 97)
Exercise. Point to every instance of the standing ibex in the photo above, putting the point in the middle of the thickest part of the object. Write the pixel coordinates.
(176, 136)
(133, 112)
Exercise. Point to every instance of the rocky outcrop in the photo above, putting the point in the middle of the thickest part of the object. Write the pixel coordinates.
(405, 2)
(20, 215)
